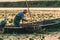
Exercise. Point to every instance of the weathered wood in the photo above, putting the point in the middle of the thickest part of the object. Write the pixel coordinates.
(30, 25)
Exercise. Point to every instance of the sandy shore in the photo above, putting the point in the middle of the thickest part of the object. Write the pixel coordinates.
(52, 36)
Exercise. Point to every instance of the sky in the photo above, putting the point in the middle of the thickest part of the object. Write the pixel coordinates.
(23, 0)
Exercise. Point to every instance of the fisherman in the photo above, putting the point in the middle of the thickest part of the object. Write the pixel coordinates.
(18, 17)
(2, 24)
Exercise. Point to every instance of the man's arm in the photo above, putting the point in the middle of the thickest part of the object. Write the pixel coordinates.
(24, 19)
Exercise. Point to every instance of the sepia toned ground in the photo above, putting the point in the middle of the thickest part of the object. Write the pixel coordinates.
(52, 36)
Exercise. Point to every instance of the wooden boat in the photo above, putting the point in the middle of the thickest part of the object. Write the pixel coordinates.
(34, 25)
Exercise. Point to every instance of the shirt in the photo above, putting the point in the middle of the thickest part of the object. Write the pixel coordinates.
(20, 14)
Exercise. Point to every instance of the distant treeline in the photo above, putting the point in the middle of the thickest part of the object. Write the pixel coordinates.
(31, 4)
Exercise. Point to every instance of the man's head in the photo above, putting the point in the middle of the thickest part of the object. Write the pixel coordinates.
(24, 11)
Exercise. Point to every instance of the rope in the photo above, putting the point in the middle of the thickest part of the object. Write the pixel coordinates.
(5, 15)
(30, 14)
(28, 10)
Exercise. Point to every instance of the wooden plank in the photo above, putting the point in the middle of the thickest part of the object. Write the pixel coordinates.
(13, 27)
(32, 26)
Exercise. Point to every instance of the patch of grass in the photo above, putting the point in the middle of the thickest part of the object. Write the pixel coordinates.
(1, 39)
(35, 34)
(31, 39)
(11, 21)
(27, 36)
(59, 38)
